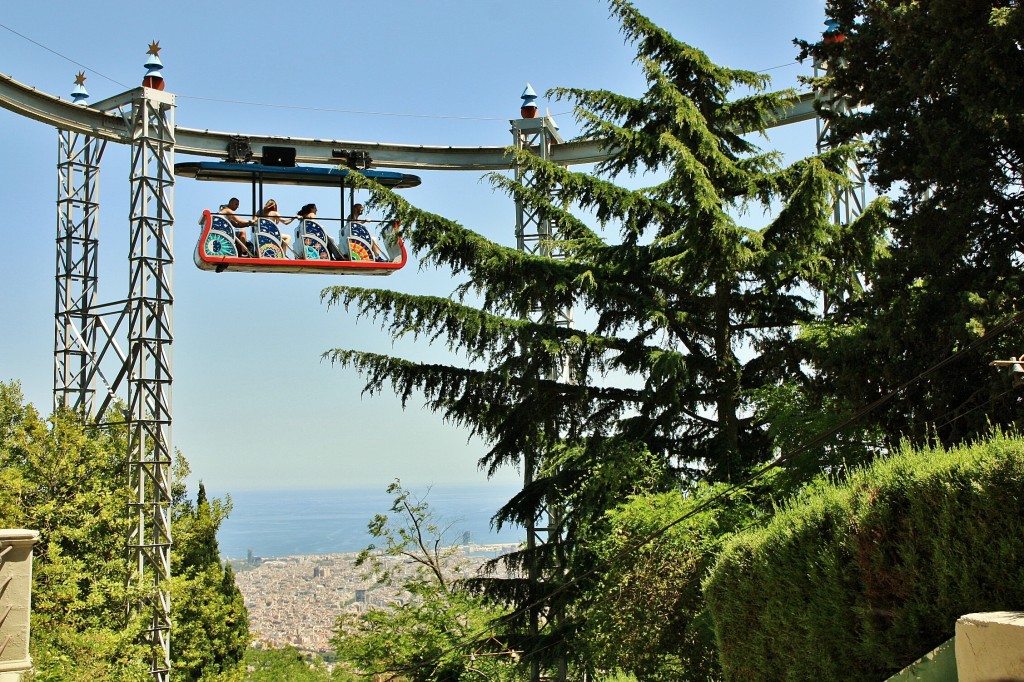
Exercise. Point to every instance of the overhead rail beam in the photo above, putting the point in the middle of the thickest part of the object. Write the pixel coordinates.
(95, 121)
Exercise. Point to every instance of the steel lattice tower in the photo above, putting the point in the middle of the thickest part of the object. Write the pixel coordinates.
(85, 342)
(151, 258)
(850, 200)
(74, 366)
(536, 235)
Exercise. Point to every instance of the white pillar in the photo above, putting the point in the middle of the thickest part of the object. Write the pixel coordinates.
(15, 602)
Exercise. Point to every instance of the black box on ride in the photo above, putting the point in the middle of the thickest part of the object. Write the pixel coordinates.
(279, 156)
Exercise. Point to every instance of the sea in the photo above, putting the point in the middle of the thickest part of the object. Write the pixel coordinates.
(277, 523)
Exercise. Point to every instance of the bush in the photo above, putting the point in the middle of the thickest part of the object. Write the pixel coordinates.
(856, 581)
(646, 615)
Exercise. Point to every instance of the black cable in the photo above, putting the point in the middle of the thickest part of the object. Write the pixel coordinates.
(63, 56)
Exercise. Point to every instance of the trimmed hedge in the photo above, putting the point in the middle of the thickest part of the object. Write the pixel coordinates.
(856, 581)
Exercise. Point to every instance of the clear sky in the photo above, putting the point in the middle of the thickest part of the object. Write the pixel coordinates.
(254, 406)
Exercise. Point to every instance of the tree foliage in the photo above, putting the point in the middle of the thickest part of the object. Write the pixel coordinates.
(690, 308)
(440, 633)
(71, 485)
(276, 665)
(69, 481)
(646, 613)
(210, 624)
(942, 124)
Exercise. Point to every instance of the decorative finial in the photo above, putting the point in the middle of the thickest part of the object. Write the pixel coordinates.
(79, 94)
(832, 32)
(153, 79)
(528, 109)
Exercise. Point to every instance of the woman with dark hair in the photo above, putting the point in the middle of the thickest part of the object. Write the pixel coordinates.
(308, 212)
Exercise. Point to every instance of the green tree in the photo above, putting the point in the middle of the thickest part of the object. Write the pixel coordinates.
(278, 665)
(69, 481)
(210, 624)
(690, 311)
(646, 613)
(441, 632)
(942, 124)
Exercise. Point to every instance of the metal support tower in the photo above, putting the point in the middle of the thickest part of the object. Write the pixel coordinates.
(74, 349)
(149, 361)
(850, 201)
(536, 235)
(85, 342)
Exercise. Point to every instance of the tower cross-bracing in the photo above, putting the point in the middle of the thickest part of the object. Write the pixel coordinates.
(851, 199)
(151, 258)
(74, 363)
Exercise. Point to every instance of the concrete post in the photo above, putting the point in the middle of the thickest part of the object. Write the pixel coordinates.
(990, 646)
(15, 602)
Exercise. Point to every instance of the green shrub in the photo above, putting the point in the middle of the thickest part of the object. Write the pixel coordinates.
(853, 582)
(646, 614)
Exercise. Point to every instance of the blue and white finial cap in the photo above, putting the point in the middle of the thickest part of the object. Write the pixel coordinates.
(528, 109)
(79, 94)
(529, 96)
(831, 26)
(153, 78)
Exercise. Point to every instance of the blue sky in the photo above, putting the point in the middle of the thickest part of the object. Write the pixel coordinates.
(254, 406)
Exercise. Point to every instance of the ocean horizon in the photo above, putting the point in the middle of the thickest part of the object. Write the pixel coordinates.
(277, 523)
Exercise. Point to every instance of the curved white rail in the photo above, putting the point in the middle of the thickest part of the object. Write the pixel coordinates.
(97, 121)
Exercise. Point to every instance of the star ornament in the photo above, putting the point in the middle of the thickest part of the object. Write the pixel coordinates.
(80, 78)
(154, 48)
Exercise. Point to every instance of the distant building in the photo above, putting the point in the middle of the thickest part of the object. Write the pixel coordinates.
(360, 596)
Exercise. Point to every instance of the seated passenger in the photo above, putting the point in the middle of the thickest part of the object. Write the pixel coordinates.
(269, 211)
(308, 212)
(228, 211)
(377, 252)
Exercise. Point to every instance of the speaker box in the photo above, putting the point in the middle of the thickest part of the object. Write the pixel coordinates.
(279, 156)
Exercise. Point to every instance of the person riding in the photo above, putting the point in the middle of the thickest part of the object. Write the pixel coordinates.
(269, 211)
(356, 217)
(308, 212)
(228, 210)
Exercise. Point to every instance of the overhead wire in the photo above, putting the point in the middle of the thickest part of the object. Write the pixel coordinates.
(1012, 389)
(63, 56)
(295, 107)
(292, 107)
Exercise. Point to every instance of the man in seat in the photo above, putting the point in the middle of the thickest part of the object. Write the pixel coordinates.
(241, 238)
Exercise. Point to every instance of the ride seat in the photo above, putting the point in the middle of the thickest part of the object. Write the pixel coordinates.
(389, 235)
(267, 239)
(221, 239)
(363, 246)
(311, 241)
